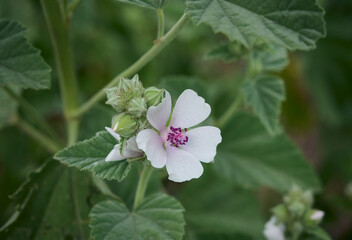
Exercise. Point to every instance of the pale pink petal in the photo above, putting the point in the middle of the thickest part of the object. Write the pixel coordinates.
(152, 144)
(190, 110)
(159, 115)
(114, 134)
(181, 165)
(202, 143)
(131, 149)
(115, 155)
(274, 231)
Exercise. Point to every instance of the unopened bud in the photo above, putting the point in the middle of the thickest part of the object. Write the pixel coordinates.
(313, 217)
(153, 96)
(296, 209)
(124, 124)
(137, 106)
(280, 213)
(124, 92)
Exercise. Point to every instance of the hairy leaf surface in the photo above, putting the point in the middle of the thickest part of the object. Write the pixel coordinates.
(292, 24)
(158, 217)
(20, 63)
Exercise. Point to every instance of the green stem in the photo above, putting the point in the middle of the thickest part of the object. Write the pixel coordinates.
(55, 16)
(139, 64)
(230, 111)
(161, 23)
(46, 142)
(31, 111)
(142, 185)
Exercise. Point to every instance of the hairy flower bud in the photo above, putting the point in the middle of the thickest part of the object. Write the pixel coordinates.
(313, 217)
(124, 124)
(127, 89)
(137, 106)
(153, 96)
(280, 213)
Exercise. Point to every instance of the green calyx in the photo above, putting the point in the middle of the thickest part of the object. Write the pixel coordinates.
(153, 96)
(124, 124)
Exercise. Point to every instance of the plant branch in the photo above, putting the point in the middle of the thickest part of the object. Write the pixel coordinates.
(230, 111)
(31, 111)
(161, 23)
(55, 16)
(46, 142)
(139, 64)
(142, 185)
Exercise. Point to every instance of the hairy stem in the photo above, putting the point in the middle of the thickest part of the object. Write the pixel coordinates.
(230, 111)
(142, 185)
(139, 64)
(33, 113)
(46, 142)
(55, 16)
(161, 23)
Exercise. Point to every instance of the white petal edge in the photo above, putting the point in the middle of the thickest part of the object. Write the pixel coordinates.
(114, 134)
(151, 143)
(131, 149)
(190, 110)
(159, 115)
(181, 165)
(115, 155)
(202, 143)
(273, 231)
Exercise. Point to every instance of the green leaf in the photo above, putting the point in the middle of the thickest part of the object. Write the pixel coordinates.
(265, 94)
(8, 109)
(20, 63)
(249, 156)
(152, 4)
(57, 204)
(236, 210)
(269, 57)
(158, 217)
(90, 155)
(292, 24)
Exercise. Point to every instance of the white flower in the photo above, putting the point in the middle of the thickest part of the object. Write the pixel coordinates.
(273, 231)
(317, 215)
(173, 144)
(130, 150)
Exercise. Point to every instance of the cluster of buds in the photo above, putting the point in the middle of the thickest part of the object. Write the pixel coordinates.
(296, 215)
(131, 101)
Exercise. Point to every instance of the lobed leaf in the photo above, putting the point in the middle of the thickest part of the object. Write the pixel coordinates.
(249, 156)
(8, 108)
(265, 94)
(291, 24)
(90, 155)
(20, 63)
(158, 217)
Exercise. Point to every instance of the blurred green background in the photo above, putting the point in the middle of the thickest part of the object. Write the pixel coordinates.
(107, 36)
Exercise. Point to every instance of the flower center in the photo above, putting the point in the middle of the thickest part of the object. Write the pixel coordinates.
(177, 136)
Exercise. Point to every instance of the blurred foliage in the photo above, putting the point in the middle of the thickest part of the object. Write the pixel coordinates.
(107, 36)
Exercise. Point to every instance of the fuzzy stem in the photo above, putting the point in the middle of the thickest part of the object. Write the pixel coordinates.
(139, 64)
(31, 111)
(230, 111)
(55, 16)
(46, 142)
(161, 23)
(142, 185)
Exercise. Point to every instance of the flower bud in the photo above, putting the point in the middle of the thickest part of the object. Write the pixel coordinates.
(296, 209)
(124, 92)
(313, 217)
(280, 213)
(124, 124)
(153, 96)
(137, 106)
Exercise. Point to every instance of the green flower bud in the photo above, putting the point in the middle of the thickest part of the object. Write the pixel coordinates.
(143, 123)
(281, 214)
(124, 92)
(313, 217)
(153, 96)
(124, 124)
(137, 106)
(296, 209)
